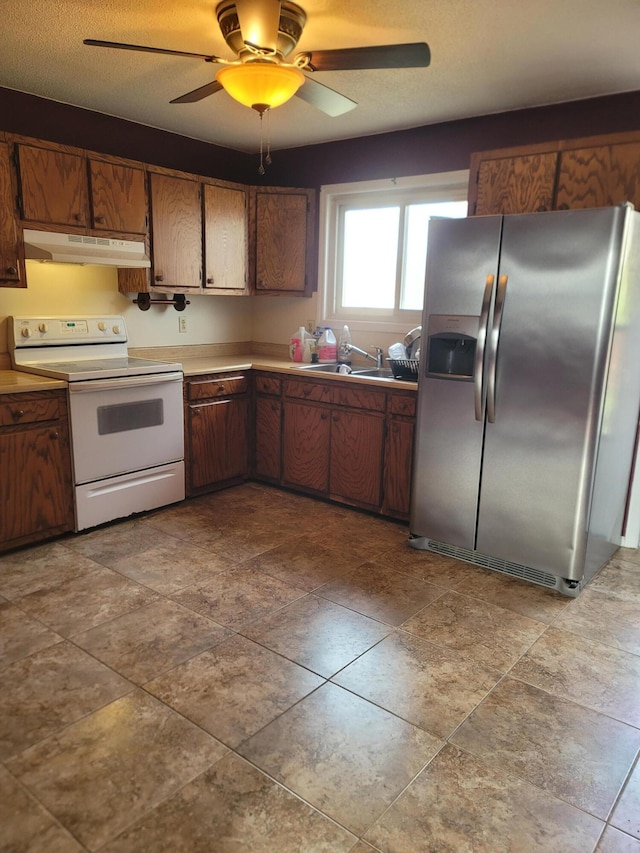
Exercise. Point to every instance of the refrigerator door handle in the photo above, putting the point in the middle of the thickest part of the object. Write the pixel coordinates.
(483, 325)
(494, 338)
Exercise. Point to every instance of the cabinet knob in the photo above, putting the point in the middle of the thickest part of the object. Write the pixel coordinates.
(12, 271)
(159, 278)
(99, 220)
(221, 388)
(17, 414)
(77, 217)
(563, 206)
(196, 411)
(54, 435)
(210, 280)
(324, 416)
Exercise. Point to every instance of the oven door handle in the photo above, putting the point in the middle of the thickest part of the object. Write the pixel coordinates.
(122, 382)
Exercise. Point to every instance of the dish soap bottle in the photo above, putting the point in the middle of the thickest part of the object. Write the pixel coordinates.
(344, 347)
(327, 347)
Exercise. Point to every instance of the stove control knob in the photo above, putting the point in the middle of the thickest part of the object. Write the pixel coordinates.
(102, 326)
(26, 332)
(116, 330)
(42, 327)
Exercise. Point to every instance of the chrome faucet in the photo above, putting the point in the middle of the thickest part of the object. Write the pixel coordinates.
(377, 358)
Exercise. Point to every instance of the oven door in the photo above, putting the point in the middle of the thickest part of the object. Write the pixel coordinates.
(125, 424)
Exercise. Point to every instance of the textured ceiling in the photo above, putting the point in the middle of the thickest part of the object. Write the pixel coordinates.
(487, 56)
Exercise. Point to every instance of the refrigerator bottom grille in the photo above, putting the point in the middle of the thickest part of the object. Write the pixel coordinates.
(516, 570)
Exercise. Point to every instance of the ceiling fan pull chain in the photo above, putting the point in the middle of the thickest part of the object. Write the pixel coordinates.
(261, 167)
(267, 159)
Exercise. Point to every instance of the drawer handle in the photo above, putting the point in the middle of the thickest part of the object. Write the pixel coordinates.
(221, 388)
(17, 414)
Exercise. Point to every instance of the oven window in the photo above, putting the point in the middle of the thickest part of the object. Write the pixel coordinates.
(123, 417)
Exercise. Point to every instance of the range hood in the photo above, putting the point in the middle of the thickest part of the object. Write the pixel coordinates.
(82, 249)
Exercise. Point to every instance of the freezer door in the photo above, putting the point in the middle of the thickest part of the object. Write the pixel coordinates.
(557, 287)
(462, 255)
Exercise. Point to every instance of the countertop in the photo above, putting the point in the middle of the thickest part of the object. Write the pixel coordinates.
(15, 381)
(200, 366)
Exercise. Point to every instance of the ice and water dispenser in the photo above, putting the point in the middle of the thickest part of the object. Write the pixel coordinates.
(451, 346)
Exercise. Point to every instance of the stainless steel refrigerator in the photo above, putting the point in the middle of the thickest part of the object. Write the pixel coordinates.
(529, 391)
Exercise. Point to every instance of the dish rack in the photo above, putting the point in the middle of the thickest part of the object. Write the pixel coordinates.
(404, 368)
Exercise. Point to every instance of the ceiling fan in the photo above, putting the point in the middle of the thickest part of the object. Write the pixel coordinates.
(262, 33)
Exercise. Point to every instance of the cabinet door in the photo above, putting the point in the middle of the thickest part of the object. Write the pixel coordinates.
(282, 241)
(118, 198)
(218, 442)
(9, 265)
(520, 184)
(268, 437)
(35, 488)
(397, 468)
(306, 446)
(53, 186)
(599, 177)
(356, 457)
(225, 239)
(176, 232)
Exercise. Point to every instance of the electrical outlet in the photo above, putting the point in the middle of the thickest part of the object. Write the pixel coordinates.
(182, 324)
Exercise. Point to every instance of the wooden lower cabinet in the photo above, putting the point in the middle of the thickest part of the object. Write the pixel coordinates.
(217, 429)
(36, 492)
(267, 459)
(347, 442)
(306, 437)
(397, 467)
(357, 442)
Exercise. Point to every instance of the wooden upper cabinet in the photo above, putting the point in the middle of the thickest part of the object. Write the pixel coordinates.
(9, 263)
(599, 176)
(176, 232)
(225, 239)
(519, 184)
(118, 198)
(284, 241)
(53, 186)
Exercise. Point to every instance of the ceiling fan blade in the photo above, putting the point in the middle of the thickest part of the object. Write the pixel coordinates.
(415, 55)
(198, 94)
(145, 49)
(327, 100)
(259, 22)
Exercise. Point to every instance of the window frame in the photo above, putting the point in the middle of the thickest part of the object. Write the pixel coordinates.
(334, 199)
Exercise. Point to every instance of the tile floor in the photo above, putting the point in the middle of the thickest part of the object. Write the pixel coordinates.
(258, 671)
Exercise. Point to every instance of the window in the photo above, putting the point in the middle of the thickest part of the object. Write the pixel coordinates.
(374, 247)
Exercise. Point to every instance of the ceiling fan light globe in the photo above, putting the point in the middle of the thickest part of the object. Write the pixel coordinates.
(260, 83)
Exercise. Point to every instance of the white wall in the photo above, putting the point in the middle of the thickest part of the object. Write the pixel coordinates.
(58, 289)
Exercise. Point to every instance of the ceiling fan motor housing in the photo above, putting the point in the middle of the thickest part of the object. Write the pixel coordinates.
(290, 27)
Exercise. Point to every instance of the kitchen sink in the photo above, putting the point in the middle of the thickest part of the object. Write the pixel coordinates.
(320, 368)
(373, 372)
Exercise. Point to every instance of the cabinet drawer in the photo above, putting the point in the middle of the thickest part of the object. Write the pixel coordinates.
(217, 386)
(401, 405)
(24, 411)
(359, 399)
(268, 385)
(308, 390)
